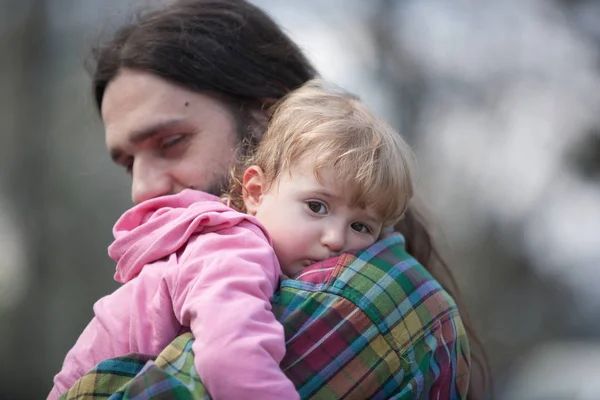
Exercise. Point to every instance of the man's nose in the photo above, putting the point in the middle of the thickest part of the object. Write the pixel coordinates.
(149, 181)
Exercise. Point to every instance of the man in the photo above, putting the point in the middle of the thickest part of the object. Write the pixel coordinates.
(182, 94)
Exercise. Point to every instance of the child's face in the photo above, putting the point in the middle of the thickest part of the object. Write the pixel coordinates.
(308, 220)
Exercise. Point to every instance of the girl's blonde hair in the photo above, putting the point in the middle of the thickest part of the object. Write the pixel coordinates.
(333, 128)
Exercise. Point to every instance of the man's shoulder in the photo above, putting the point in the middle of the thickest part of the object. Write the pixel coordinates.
(375, 316)
(388, 285)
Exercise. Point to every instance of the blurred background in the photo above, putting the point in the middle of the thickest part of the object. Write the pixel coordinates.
(500, 100)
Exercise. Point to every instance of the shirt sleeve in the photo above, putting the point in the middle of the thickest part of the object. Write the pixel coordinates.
(136, 318)
(223, 294)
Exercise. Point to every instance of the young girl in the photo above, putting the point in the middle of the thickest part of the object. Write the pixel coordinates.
(328, 177)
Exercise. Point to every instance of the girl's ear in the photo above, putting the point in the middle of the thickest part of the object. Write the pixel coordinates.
(254, 185)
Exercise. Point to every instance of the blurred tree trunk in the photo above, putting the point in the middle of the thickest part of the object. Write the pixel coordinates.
(24, 163)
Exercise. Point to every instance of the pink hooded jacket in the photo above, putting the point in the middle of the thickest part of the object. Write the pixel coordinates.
(187, 260)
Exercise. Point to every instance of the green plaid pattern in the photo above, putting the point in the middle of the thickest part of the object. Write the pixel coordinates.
(170, 375)
(370, 325)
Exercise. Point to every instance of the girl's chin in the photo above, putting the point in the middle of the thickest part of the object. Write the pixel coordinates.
(308, 263)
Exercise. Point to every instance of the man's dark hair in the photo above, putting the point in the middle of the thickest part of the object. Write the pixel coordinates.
(229, 48)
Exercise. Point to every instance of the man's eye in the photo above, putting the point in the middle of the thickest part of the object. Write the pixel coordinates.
(317, 207)
(128, 164)
(171, 141)
(360, 227)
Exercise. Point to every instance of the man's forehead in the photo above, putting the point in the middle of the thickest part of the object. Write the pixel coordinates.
(135, 94)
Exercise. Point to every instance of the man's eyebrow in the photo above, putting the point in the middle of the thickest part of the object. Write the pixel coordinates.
(146, 133)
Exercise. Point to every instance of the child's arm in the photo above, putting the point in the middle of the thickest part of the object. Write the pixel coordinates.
(223, 294)
(137, 317)
(99, 340)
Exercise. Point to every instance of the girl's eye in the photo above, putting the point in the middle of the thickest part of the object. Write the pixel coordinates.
(317, 207)
(360, 227)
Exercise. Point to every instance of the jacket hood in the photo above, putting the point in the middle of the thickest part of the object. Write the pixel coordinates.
(159, 227)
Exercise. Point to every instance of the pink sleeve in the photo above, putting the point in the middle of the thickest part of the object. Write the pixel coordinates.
(223, 294)
(137, 317)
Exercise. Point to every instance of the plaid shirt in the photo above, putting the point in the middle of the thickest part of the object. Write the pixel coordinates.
(370, 325)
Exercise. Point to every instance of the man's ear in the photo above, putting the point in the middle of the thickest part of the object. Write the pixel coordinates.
(260, 118)
(254, 185)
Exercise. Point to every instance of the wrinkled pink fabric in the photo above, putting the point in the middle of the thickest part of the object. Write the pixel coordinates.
(187, 260)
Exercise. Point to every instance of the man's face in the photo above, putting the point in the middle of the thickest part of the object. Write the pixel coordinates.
(166, 137)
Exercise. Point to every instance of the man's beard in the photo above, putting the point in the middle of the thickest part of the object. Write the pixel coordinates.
(219, 185)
